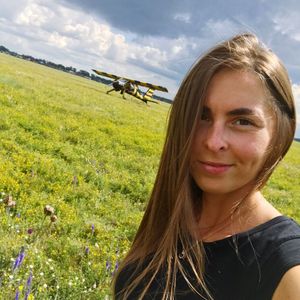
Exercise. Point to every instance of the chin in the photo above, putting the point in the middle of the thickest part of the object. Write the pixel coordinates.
(223, 188)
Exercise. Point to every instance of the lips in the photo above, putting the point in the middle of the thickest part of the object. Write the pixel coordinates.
(214, 167)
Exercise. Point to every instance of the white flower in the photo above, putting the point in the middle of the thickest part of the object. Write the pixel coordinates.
(41, 274)
(45, 285)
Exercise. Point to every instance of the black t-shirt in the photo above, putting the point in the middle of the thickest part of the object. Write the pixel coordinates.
(246, 266)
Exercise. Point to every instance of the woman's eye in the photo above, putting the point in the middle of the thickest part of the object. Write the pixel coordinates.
(205, 117)
(243, 122)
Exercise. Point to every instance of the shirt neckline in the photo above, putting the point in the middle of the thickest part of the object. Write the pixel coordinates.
(251, 231)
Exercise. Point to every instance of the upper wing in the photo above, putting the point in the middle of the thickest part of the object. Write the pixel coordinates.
(148, 85)
(107, 74)
(137, 82)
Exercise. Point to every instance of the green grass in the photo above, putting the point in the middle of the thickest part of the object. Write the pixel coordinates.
(93, 158)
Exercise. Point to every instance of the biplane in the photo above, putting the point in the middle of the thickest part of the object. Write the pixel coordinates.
(131, 87)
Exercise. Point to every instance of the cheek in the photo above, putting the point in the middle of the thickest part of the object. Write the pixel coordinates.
(254, 152)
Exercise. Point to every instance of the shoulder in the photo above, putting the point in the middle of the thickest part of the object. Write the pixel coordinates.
(277, 250)
(272, 249)
(270, 237)
(278, 242)
(289, 285)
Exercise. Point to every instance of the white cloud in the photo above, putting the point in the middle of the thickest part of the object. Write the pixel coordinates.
(221, 28)
(58, 40)
(288, 23)
(183, 17)
(34, 14)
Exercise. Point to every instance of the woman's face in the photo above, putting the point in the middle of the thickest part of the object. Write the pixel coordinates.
(233, 134)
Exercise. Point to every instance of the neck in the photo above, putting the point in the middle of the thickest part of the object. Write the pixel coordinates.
(216, 207)
(225, 215)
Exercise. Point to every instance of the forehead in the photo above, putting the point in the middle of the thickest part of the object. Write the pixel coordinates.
(236, 88)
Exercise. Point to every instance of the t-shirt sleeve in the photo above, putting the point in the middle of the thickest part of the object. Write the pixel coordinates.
(285, 257)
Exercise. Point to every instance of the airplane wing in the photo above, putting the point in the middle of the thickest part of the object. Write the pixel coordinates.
(137, 82)
(148, 85)
(107, 74)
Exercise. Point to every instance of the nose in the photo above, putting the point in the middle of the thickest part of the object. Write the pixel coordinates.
(215, 138)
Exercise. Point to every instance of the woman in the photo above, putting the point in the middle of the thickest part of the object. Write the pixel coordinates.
(208, 232)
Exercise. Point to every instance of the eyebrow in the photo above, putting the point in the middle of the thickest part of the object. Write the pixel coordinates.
(242, 111)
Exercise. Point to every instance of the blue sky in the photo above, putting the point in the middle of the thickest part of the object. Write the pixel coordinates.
(149, 40)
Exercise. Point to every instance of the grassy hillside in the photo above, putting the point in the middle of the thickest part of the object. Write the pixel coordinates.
(92, 157)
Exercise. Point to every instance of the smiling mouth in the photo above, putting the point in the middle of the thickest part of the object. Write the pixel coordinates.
(214, 167)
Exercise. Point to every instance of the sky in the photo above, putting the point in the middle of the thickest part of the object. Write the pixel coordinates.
(151, 40)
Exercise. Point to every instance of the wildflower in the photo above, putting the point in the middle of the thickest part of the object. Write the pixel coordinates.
(53, 218)
(108, 265)
(117, 266)
(93, 228)
(45, 285)
(75, 180)
(11, 204)
(19, 259)
(17, 294)
(8, 199)
(28, 286)
(48, 210)
(87, 250)
(30, 231)
(18, 215)
(116, 269)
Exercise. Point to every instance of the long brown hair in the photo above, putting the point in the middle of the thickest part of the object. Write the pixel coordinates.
(171, 214)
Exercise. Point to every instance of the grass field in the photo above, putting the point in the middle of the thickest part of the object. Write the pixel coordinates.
(92, 157)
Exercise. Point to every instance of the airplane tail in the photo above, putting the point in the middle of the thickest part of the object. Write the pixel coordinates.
(148, 96)
(149, 93)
